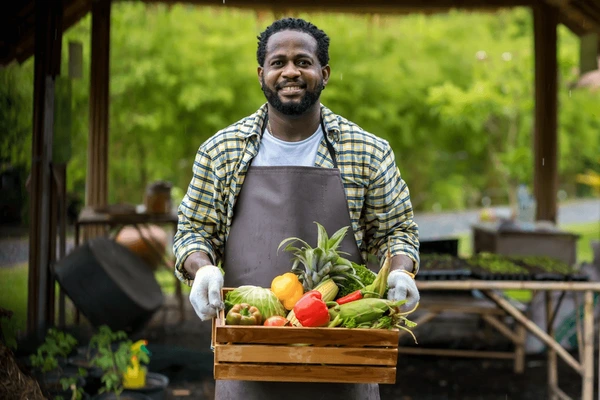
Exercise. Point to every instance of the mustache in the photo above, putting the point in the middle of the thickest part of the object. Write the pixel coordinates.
(281, 85)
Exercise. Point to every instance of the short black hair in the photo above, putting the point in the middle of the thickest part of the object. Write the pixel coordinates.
(294, 24)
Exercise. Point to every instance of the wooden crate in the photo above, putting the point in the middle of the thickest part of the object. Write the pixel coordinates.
(291, 354)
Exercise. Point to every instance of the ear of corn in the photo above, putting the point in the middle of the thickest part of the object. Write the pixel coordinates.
(328, 290)
(361, 311)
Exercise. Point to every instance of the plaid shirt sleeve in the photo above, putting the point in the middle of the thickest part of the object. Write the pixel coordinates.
(198, 226)
(389, 213)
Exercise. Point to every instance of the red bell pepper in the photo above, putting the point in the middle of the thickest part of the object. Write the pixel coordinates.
(311, 310)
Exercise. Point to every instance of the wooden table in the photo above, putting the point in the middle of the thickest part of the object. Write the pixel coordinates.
(585, 329)
(91, 217)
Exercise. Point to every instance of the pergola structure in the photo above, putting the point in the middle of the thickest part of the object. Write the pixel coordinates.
(35, 27)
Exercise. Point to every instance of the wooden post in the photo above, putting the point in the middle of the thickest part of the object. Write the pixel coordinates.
(588, 346)
(97, 178)
(519, 365)
(551, 356)
(546, 110)
(48, 37)
(60, 175)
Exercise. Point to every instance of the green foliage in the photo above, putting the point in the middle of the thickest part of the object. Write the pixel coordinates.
(113, 356)
(112, 362)
(456, 104)
(51, 354)
(57, 345)
(16, 101)
(8, 329)
(365, 276)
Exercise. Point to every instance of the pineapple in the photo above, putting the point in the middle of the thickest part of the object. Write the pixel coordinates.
(315, 265)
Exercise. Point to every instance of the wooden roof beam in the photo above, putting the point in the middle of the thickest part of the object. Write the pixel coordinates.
(73, 12)
(580, 16)
(360, 6)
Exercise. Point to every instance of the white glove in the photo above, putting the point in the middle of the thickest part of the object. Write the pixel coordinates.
(403, 287)
(205, 295)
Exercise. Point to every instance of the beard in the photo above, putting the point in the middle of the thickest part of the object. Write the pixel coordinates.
(292, 108)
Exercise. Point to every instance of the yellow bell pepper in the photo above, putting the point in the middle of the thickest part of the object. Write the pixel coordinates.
(288, 289)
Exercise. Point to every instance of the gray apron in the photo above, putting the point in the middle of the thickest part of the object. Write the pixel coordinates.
(276, 203)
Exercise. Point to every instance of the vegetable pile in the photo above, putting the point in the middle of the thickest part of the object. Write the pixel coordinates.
(322, 289)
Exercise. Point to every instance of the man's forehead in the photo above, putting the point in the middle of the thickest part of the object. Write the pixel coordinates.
(290, 39)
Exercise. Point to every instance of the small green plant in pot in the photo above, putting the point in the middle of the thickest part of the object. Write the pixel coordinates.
(120, 360)
(49, 361)
(113, 361)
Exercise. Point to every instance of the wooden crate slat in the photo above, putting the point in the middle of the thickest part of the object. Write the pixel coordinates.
(305, 373)
(340, 355)
(315, 336)
(305, 355)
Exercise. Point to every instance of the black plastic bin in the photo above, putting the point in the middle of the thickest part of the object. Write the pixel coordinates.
(110, 285)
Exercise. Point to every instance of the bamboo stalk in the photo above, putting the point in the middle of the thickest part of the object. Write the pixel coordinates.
(521, 333)
(533, 328)
(578, 326)
(555, 390)
(588, 344)
(504, 285)
(501, 327)
(551, 356)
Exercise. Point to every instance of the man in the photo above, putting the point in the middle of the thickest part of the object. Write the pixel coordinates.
(271, 175)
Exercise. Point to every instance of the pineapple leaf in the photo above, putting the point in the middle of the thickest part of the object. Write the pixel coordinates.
(288, 243)
(321, 236)
(336, 239)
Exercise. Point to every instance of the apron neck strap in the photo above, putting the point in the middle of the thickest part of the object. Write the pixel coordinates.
(330, 148)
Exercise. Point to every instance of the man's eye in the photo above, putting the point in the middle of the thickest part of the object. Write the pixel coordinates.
(303, 63)
(276, 63)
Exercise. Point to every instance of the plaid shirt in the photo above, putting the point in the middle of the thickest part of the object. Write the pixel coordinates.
(378, 198)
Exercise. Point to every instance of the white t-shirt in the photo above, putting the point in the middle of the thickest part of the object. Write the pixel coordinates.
(276, 152)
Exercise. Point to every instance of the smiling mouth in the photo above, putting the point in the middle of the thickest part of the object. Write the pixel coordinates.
(291, 90)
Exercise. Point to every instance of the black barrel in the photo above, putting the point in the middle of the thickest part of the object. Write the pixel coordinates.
(110, 285)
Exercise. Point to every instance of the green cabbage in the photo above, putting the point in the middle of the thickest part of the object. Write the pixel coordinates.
(264, 299)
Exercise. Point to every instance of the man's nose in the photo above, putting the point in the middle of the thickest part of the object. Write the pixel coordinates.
(290, 70)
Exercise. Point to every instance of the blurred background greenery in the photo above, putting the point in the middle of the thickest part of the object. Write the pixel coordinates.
(452, 93)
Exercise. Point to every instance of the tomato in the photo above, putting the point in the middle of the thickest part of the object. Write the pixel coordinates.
(276, 320)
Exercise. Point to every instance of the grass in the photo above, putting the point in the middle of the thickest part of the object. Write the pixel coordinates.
(13, 295)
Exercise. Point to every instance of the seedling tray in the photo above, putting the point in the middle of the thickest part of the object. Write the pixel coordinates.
(299, 354)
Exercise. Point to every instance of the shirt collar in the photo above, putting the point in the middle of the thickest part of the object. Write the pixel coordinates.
(255, 122)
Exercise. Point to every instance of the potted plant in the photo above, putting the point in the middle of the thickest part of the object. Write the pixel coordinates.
(50, 364)
(124, 374)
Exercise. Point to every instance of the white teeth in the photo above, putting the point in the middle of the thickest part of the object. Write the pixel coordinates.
(291, 88)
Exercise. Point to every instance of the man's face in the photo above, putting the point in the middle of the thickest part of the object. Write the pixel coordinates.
(292, 77)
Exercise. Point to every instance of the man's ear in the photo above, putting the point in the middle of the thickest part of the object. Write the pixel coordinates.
(326, 71)
(259, 72)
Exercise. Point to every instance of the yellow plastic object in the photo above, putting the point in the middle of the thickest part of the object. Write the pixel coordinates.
(137, 346)
(135, 376)
(288, 289)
